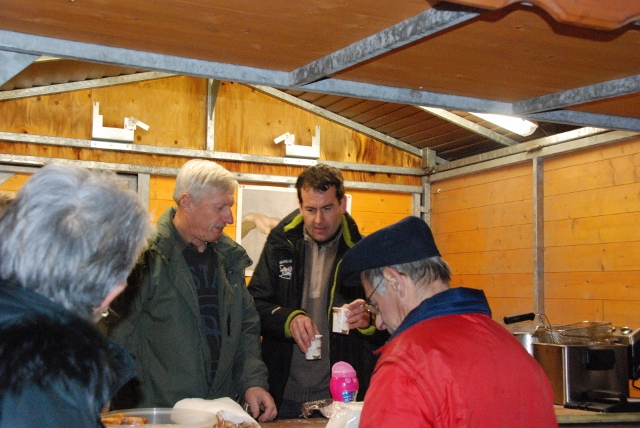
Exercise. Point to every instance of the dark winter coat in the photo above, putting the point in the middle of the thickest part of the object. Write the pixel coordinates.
(56, 369)
(277, 288)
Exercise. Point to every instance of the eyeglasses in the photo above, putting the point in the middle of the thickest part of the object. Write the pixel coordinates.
(373, 307)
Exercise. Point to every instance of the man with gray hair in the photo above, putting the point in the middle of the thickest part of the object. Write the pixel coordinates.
(187, 315)
(447, 363)
(69, 240)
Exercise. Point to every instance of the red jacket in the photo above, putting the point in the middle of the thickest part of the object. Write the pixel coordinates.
(457, 371)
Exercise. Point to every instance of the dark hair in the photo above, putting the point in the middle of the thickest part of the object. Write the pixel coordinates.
(321, 177)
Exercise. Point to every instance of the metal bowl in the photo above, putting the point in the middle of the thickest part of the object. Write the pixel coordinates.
(159, 417)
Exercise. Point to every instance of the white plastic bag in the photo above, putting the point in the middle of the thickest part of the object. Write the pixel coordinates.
(228, 409)
(345, 415)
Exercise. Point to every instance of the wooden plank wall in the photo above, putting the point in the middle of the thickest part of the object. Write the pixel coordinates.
(483, 226)
(592, 235)
(246, 121)
(482, 222)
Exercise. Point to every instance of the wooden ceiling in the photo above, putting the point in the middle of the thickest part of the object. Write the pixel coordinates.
(563, 63)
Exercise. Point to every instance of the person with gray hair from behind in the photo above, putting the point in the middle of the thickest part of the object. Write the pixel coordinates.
(69, 240)
(447, 363)
(187, 315)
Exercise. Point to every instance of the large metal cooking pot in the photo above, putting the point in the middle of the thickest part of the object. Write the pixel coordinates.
(525, 333)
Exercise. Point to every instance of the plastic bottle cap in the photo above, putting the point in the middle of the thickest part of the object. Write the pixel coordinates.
(342, 369)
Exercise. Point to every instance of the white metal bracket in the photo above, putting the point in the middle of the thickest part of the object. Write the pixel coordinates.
(296, 151)
(103, 133)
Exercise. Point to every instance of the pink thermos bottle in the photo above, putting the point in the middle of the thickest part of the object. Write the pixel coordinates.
(344, 382)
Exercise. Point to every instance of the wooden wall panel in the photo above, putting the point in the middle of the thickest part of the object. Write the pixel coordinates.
(160, 195)
(66, 114)
(483, 217)
(247, 121)
(72, 153)
(592, 235)
(606, 257)
(174, 108)
(489, 262)
(500, 285)
(591, 285)
(620, 312)
(482, 224)
(504, 306)
(593, 230)
(567, 311)
(15, 182)
(602, 201)
(599, 167)
(490, 239)
(375, 210)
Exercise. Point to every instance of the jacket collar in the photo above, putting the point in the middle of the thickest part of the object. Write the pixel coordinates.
(454, 301)
(23, 299)
(25, 303)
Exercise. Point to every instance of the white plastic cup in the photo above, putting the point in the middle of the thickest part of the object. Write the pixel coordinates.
(340, 324)
(315, 351)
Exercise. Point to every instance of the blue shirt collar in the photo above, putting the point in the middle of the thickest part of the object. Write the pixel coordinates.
(454, 301)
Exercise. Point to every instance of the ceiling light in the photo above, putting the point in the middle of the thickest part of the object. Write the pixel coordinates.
(513, 124)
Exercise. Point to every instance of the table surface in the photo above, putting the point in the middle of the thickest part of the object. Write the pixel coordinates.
(565, 417)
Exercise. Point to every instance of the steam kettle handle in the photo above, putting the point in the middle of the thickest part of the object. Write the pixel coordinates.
(519, 318)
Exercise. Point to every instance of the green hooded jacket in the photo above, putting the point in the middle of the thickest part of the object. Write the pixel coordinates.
(158, 320)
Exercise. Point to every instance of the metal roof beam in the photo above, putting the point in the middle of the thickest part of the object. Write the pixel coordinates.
(425, 24)
(407, 96)
(85, 84)
(39, 161)
(580, 118)
(194, 153)
(39, 45)
(599, 91)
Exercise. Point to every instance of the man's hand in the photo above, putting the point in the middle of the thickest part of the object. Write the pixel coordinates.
(357, 316)
(259, 399)
(303, 330)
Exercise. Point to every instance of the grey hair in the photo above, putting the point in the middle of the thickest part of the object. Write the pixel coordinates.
(72, 235)
(199, 177)
(425, 271)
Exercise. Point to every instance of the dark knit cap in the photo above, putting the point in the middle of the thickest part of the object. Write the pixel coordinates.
(408, 240)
